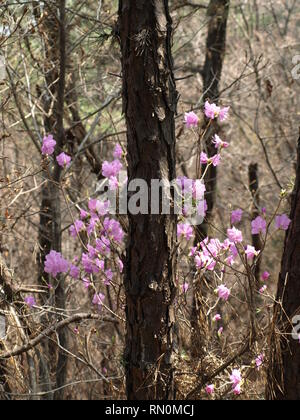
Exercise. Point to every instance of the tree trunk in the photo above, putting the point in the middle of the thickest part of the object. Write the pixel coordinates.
(284, 369)
(54, 37)
(149, 104)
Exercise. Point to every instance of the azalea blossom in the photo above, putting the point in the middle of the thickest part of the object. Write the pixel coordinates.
(203, 158)
(236, 377)
(111, 169)
(259, 225)
(236, 216)
(235, 235)
(217, 318)
(185, 230)
(265, 276)
(56, 264)
(211, 111)
(30, 301)
(118, 152)
(263, 289)
(216, 159)
(98, 299)
(259, 360)
(237, 389)
(251, 252)
(219, 144)
(191, 119)
(48, 145)
(223, 115)
(220, 331)
(223, 292)
(210, 389)
(78, 227)
(282, 222)
(63, 160)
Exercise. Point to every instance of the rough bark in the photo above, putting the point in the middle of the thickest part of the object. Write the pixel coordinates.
(284, 368)
(149, 101)
(54, 37)
(256, 241)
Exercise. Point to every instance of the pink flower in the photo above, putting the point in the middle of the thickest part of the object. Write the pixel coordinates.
(118, 152)
(235, 235)
(83, 214)
(259, 360)
(265, 276)
(259, 225)
(101, 207)
(48, 145)
(237, 389)
(86, 283)
(210, 389)
(113, 183)
(223, 115)
(216, 159)
(236, 216)
(263, 289)
(185, 287)
(55, 264)
(98, 300)
(198, 189)
(74, 272)
(220, 331)
(211, 111)
(110, 169)
(203, 158)
(219, 144)
(191, 119)
(75, 229)
(236, 377)
(217, 318)
(223, 292)
(185, 230)
(109, 275)
(202, 208)
(251, 252)
(113, 229)
(30, 301)
(282, 222)
(63, 160)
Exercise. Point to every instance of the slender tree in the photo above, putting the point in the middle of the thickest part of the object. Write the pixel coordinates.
(284, 369)
(149, 104)
(217, 13)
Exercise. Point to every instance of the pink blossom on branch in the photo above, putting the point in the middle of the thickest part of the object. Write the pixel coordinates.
(236, 216)
(30, 301)
(235, 235)
(185, 230)
(48, 145)
(265, 276)
(259, 225)
(223, 292)
(55, 264)
(282, 222)
(63, 160)
(118, 152)
(219, 144)
(191, 119)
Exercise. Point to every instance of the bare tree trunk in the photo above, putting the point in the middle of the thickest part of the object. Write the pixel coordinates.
(50, 212)
(218, 11)
(284, 369)
(149, 101)
(254, 189)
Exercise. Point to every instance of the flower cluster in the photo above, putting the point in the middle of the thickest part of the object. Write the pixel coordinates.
(102, 238)
(48, 148)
